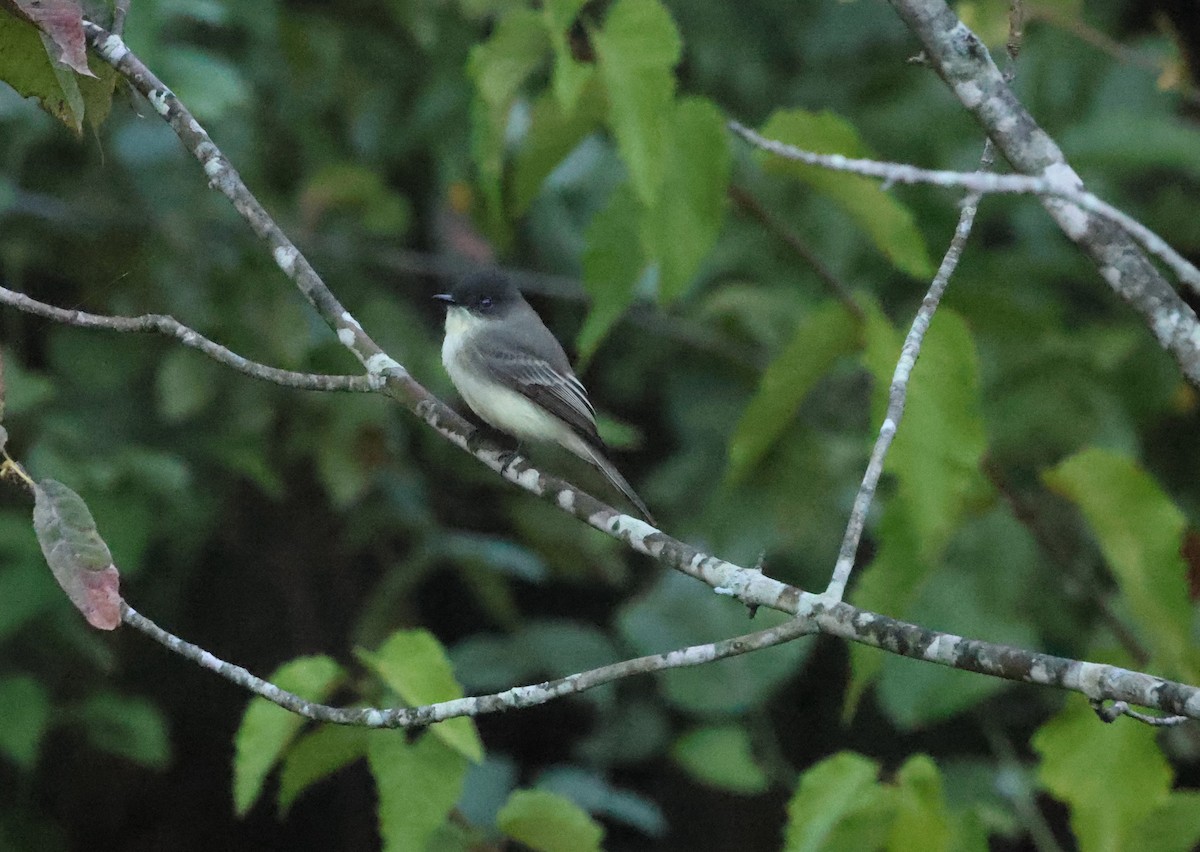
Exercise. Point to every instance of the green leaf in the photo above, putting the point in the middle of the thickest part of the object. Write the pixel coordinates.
(25, 709)
(1174, 826)
(982, 587)
(722, 757)
(677, 612)
(637, 50)
(318, 755)
(570, 75)
(1140, 531)
(499, 67)
(418, 785)
(839, 805)
(922, 820)
(613, 263)
(27, 67)
(553, 133)
(267, 729)
(824, 335)
(414, 664)
(77, 556)
(127, 726)
(887, 221)
(547, 822)
(1112, 776)
(681, 228)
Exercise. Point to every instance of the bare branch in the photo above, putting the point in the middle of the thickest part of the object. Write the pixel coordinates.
(897, 396)
(1118, 709)
(963, 62)
(170, 327)
(986, 183)
(751, 587)
(511, 699)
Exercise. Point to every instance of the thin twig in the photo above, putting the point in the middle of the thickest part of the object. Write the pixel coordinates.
(1118, 709)
(897, 397)
(1063, 185)
(170, 327)
(515, 698)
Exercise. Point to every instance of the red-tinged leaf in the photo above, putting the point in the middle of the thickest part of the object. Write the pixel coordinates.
(78, 557)
(62, 21)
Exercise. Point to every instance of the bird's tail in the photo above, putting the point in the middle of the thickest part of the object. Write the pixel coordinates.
(596, 457)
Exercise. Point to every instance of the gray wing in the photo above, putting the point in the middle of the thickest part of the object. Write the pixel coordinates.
(549, 383)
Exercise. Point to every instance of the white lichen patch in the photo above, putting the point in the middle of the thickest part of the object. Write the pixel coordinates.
(566, 500)
(1073, 220)
(158, 100)
(380, 362)
(114, 49)
(346, 337)
(723, 590)
(214, 167)
(969, 94)
(285, 259)
(349, 319)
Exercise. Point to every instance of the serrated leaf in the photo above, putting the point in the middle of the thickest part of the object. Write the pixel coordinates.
(267, 729)
(1140, 532)
(721, 757)
(886, 220)
(25, 709)
(418, 785)
(499, 67)
(922, 821)
(1174, 826)
(316, 756)
(824, 335)
(553, 133)
(637, 50)
(570, 75)
(127, 726)
(414, 664)
(613, 263)
(547, 822)
(681, 228)
(77, 556)
(981, 588)
(1112, 776)
(25, 65)
(839, 805)
(61, 21)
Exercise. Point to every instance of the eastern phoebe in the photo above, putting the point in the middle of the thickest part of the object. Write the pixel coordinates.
(514, 374)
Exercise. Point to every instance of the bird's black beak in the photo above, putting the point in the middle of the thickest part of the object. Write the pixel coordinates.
(445, 297)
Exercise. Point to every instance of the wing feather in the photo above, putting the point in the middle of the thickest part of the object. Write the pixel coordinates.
(553, 386)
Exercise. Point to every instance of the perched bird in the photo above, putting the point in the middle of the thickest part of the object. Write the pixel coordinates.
(514, 374)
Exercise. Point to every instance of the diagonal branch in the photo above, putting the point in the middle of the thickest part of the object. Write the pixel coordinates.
(963, 62)
(898, 395)
(751, 587)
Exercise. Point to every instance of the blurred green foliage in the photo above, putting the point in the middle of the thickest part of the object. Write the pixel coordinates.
(1039, 492)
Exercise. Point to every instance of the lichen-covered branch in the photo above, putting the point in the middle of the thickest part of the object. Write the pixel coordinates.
(963, 62)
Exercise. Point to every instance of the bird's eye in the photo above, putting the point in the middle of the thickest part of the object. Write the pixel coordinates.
(485, 302)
